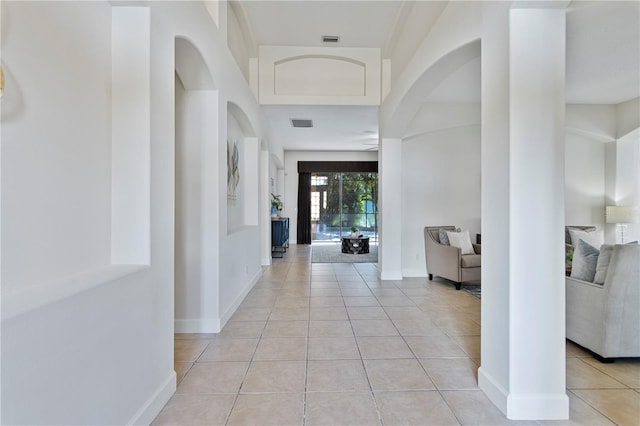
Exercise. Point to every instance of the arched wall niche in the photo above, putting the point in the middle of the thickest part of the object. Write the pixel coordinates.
(239, 115)
(191, 67)
(243, 165)
(197, 130)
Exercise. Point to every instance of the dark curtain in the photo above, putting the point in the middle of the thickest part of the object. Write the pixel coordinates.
(304, 208)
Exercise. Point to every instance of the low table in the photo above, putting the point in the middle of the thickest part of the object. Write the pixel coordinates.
(355, 245)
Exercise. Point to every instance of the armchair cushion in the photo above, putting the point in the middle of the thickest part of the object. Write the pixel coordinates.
(470, 261)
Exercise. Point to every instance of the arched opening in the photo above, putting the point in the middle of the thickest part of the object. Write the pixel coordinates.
(196, 133)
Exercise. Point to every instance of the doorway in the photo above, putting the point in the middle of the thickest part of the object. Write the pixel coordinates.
(341, 201)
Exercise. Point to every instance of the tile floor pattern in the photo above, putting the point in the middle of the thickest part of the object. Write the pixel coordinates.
(330, 344)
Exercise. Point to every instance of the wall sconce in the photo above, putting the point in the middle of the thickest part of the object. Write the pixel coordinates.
(621, 215)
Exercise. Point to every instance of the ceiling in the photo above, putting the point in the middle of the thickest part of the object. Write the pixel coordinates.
(603, 65)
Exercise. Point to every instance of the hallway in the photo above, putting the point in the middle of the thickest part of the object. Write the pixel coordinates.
(320, 344)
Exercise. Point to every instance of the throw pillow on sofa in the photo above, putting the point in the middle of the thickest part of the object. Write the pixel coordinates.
(594, 237)
(585, 260)
(443, 237)
(462, 241)
(603, 263)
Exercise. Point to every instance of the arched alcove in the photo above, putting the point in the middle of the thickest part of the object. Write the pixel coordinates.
(243, 165)
(196, 166)
(191, 67)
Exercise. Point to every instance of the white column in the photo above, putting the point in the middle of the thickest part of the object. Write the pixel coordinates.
(523, 358)
(537, 104)
(265, 210)
(493, 375)
(389, 206)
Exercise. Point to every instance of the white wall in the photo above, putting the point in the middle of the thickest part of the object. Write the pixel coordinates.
(291, 159)
(70, 317)
(420, 17)
(440, 186)
(57, 121)
(237, 43)
(106, 335)
(584, 181)
(628, 181)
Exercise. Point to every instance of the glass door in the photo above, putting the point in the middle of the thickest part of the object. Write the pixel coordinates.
(342, 200)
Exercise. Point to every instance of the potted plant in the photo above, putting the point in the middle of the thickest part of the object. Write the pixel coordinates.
(354, 232)
(276, 205)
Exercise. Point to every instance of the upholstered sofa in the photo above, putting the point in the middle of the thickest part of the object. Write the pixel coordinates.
(447, 261)
(605, 318)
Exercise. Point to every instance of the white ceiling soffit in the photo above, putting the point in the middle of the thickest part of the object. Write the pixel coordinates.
(304, 22)
(603, 46)
(335, 128)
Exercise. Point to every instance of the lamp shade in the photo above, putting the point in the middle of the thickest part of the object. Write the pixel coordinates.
(622, 214)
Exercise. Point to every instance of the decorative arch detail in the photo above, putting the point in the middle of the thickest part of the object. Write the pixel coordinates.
(191, 67)
(309, 75)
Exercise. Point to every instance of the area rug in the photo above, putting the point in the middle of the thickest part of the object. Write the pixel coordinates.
(473, 289)
(332, 253)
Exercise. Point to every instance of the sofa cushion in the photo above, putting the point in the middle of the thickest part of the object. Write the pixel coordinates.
(594, 237)
(603, 263)
(585, 259)
(462, 241)
(470, 261)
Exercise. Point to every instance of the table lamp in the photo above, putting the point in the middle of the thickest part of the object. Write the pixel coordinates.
(621, 215)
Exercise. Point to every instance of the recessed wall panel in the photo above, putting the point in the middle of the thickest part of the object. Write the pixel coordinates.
(320, 76)
(290, 75)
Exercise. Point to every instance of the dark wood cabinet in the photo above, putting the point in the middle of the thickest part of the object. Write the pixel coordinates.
(279, 236)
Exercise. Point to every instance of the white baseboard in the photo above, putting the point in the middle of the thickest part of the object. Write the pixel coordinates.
(214, 325)
(524, 406)
(236, 303)
(390, 276)
(538, 406)
(496, 393)
(197, 325)
(154, 405)
(414, 273)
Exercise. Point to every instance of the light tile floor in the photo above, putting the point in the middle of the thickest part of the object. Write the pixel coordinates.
(330, 344)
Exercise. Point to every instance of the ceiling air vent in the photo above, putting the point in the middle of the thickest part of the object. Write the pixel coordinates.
(301, 122)
(330, 39)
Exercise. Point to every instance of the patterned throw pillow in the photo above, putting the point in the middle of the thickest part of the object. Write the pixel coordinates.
(585, 261)
(444, 238)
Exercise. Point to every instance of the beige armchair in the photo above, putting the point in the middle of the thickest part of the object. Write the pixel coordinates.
(447, 261)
